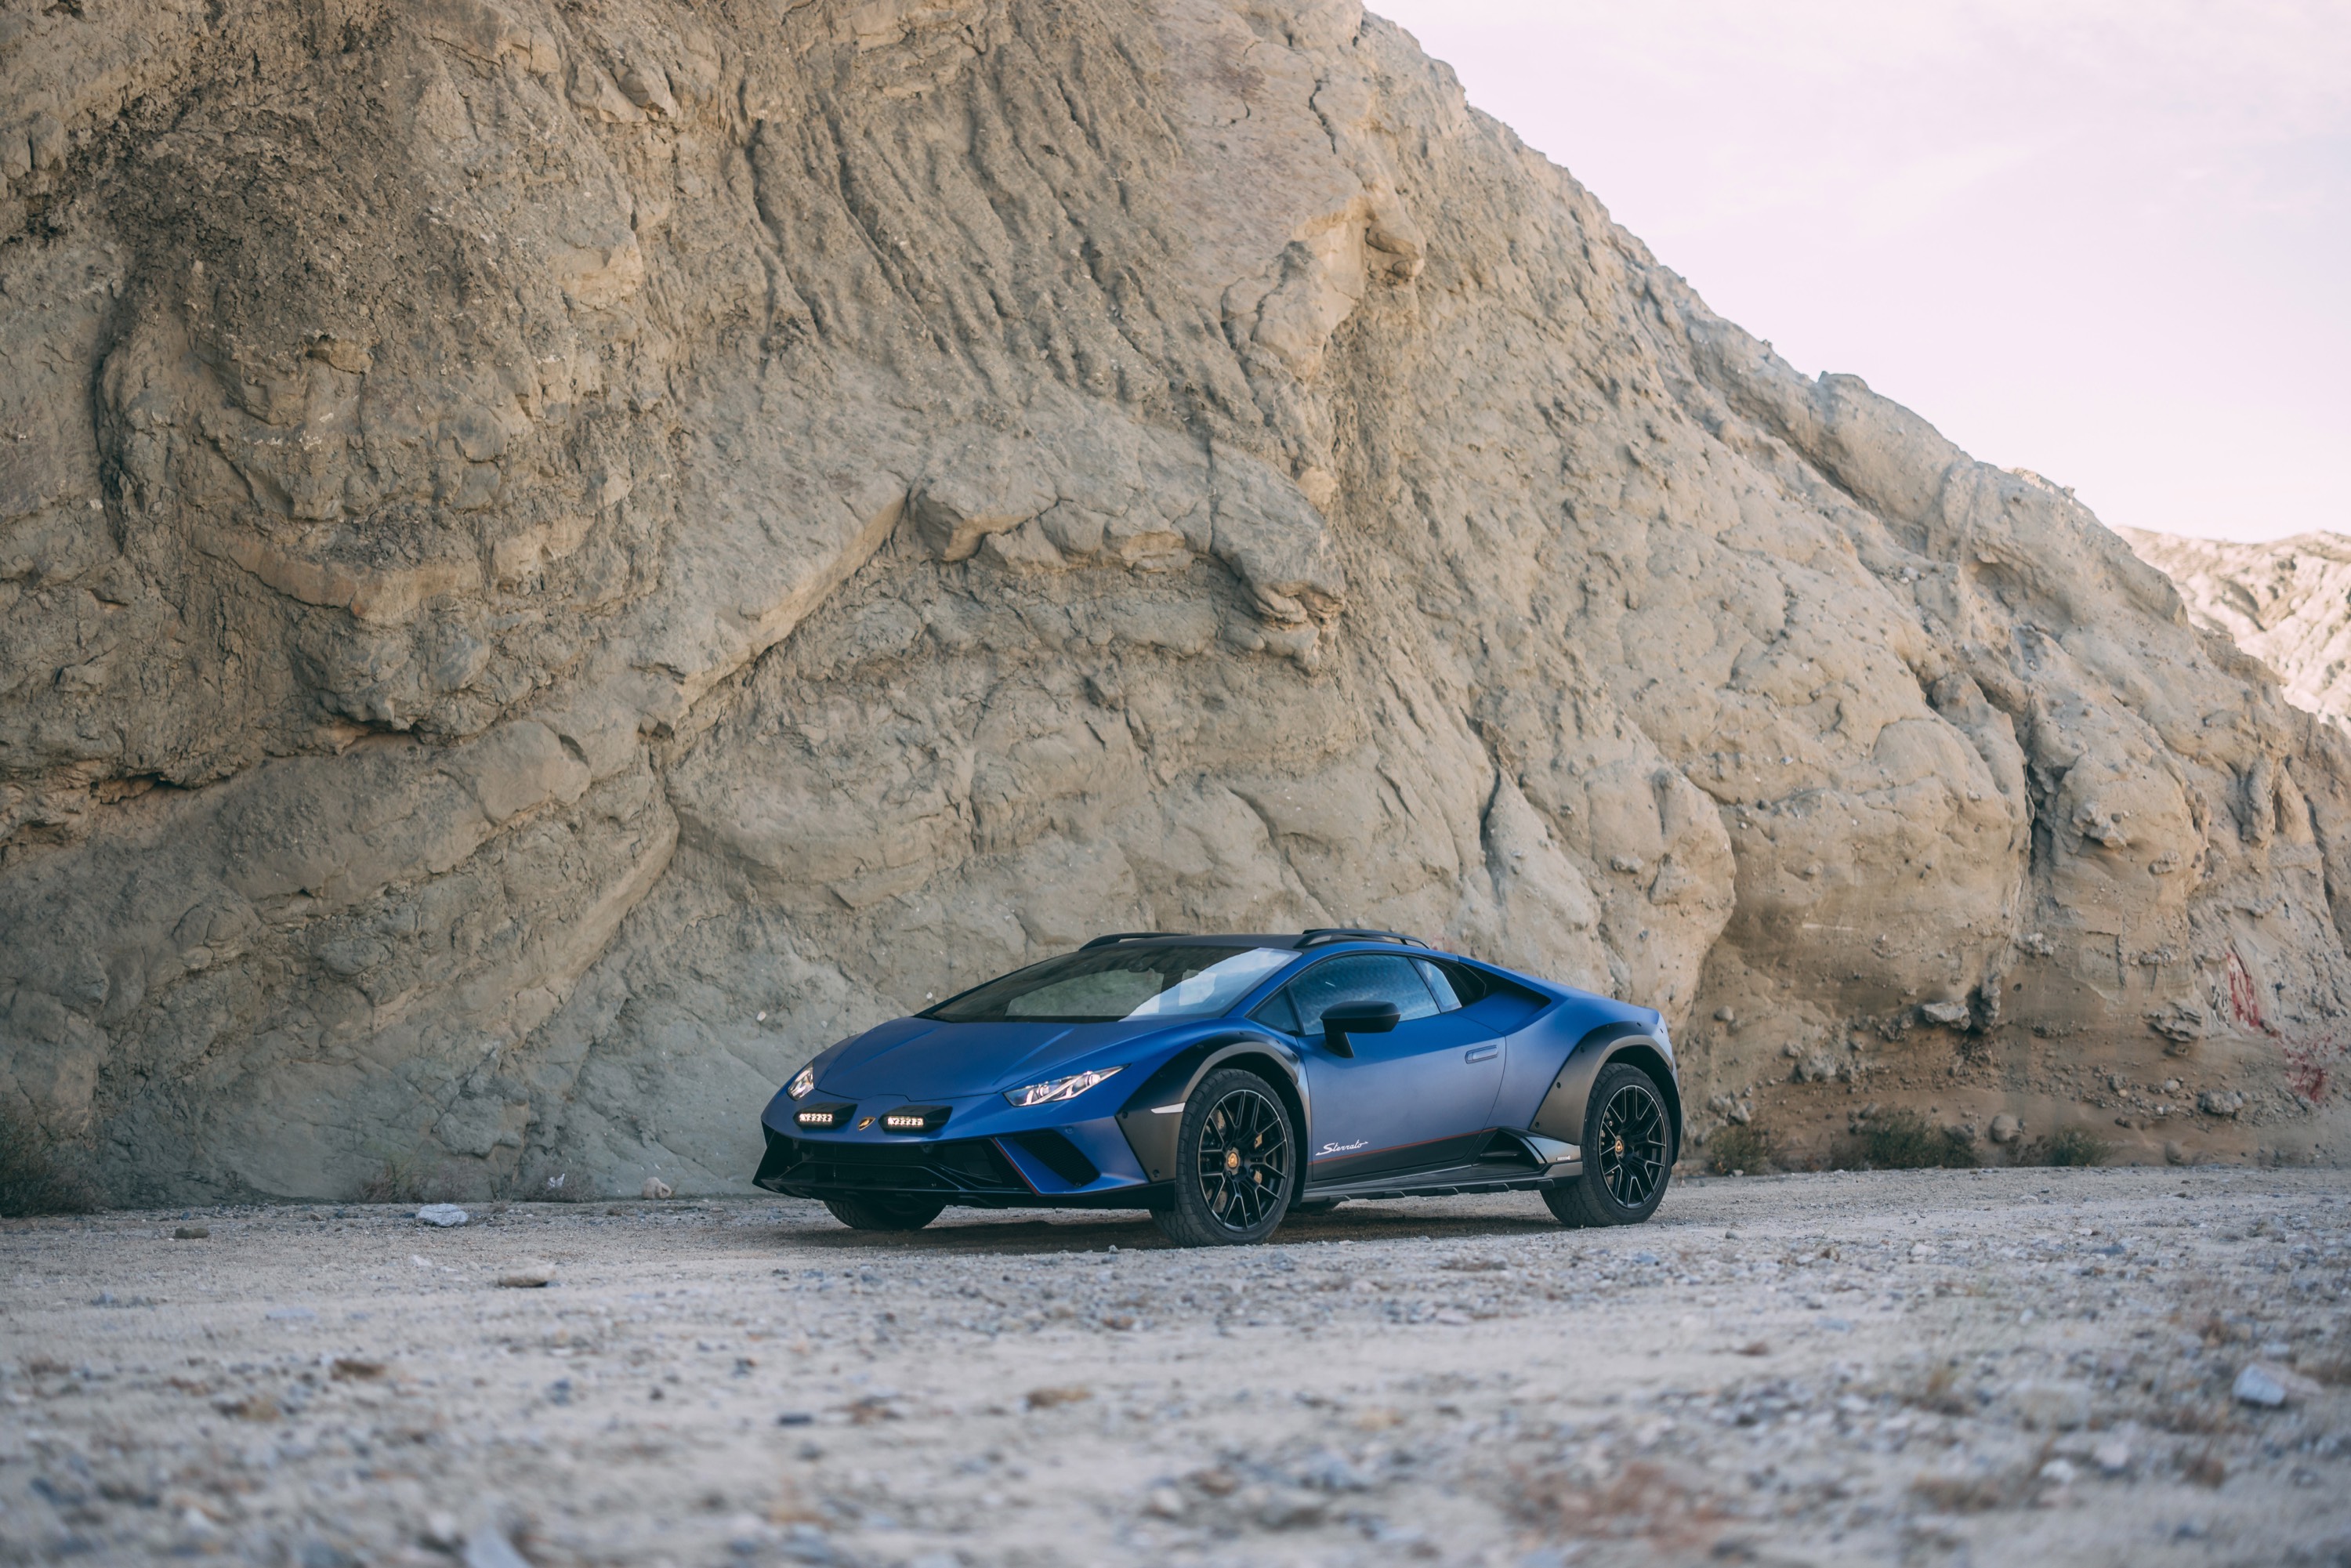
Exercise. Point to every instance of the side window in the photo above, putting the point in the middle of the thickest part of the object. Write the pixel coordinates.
(1276, 1012)
(1359, 978)
(1440, 985)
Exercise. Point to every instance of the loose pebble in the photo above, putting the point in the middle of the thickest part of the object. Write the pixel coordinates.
(2264, 1383)
(488, 1547)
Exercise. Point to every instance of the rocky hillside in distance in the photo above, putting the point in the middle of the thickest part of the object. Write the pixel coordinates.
(2286, 601)
(555, 559)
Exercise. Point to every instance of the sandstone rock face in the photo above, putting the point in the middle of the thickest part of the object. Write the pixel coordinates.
(2287, 602)
(554, 561)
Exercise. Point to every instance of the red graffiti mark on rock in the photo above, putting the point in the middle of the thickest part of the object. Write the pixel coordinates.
(2310, 1063)
(2310, 1055)
(2243, 1000)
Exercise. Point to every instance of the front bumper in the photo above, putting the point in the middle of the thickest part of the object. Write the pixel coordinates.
(986, 1156)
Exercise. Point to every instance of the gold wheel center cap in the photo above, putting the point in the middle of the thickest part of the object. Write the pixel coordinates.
(1232, 1159)
(1620, 1145)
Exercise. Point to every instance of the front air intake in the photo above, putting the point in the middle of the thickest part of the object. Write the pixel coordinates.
(1058, 1155)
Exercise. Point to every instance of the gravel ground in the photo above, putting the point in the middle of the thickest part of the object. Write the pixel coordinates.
(2020, 1365)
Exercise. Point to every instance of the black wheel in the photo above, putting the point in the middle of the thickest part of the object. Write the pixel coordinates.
(1236, 1164)
(1628, 1153)
(877, 1211)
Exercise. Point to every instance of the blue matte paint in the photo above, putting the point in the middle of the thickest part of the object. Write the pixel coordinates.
(1537, 1050)
(1409, 1085)
(1102, 1142)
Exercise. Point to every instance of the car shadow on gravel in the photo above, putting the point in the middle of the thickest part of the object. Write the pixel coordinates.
(1136, 1233)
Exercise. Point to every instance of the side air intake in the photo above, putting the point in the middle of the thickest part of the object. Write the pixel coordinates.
(1058, 1155)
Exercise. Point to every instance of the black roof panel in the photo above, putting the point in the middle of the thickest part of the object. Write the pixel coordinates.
(1317, 937)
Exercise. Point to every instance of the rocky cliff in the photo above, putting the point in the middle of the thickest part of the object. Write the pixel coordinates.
(2286, 601)
(556, 559)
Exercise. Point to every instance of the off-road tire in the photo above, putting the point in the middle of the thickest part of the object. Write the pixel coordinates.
(879, 1212)
(1628, 1153)
(1236, 1165)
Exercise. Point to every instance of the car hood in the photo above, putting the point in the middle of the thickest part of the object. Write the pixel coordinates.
(924, 1059)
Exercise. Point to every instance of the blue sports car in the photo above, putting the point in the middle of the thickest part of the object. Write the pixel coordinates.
(1222, 1083)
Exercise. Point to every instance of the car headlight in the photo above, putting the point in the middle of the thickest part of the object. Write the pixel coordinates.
(1054, 1088)
(801, 1087)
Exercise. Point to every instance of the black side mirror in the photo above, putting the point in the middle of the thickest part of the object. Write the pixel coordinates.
(1357, 1017)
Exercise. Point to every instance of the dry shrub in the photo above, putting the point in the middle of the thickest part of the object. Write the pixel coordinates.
(1970, 1494)
(2193, 1416)
(38, 1178)
(1940, 1391)
(405, 1179)
(2216, 1330)
(2012, 1487)
(2069, 1147)
(1903, 1141)
(394, 1181)
(1737, 1148)
(2204, 1467)
(1644, 1500)
(250, 1407)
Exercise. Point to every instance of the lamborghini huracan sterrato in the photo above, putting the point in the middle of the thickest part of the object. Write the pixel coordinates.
(1222, 1083)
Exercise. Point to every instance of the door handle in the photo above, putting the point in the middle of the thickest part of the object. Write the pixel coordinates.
(1482, 1053)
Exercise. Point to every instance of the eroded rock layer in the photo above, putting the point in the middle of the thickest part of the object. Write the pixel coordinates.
(553, 560)
(2285, 602)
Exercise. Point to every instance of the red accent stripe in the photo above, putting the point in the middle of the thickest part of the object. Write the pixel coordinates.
(1009, 1160)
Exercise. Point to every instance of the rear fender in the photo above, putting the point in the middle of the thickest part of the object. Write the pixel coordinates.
(1153, 1113)
(1561, 1116)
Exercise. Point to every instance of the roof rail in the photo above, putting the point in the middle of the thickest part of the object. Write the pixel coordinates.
(1115, 937)
(1321, 933)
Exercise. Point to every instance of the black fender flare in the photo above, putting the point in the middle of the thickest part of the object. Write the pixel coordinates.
(1151, 1128)
(1561, 1116)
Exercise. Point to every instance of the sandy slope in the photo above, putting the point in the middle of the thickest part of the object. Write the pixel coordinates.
(2025, 1365)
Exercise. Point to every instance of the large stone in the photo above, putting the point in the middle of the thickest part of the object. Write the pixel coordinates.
(615, 546)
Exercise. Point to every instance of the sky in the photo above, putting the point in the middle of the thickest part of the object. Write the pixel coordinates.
(2109, 241)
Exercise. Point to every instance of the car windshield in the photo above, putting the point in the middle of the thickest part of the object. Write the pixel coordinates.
(1107, 985)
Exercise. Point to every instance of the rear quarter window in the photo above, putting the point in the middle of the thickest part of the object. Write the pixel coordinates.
(1494, 1000)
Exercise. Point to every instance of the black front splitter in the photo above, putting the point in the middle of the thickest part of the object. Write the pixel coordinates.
(1125, 1197)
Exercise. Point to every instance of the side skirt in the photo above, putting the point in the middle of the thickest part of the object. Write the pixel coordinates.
(1453, 1179)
